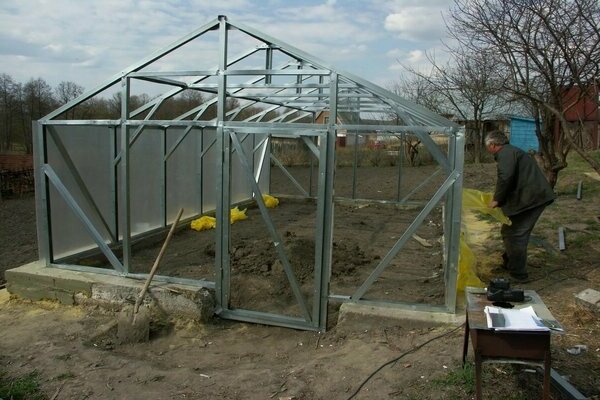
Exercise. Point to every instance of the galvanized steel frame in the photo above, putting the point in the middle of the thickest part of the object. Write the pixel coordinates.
(336, 92)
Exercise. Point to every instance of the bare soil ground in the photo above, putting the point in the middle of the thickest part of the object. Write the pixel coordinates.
(231, 360)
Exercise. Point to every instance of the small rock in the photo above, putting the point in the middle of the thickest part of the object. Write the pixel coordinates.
(577, 349)
(589, 299)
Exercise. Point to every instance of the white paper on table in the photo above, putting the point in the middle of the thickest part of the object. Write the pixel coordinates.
(524, 319)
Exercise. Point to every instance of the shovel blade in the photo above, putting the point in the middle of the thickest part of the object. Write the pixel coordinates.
(133, 328)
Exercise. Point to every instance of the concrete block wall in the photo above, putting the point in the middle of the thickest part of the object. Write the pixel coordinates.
(36, 282)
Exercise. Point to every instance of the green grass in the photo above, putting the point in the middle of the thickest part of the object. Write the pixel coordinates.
(22, 388)
(578, 164)
(569, 178)
(459, 383)
(463, 378)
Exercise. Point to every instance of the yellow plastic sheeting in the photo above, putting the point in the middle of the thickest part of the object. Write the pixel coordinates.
(270, 201)
(475, 233)
(237, 215)
(204, 223)
(207, 222)
(466, 267)
(478, 201)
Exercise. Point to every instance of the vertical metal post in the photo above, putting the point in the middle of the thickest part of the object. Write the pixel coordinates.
(454, 204)
(200, 169)
(311, 160)
(579, 190)
(400, 162)
(299, 78)
(113, 172)
(42, 194)
(561, 239)
(223, 143)
(354, 165)
(268, 64)
(163, 179)
(355, 161)
(324, 239)
(125, 215)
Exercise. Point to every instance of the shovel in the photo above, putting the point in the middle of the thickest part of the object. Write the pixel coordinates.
(134, 324)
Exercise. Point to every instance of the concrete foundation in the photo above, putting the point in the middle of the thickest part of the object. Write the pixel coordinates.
(359, 316)
(35, 282)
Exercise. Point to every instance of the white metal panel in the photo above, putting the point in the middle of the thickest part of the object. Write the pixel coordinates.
(183, 173)
(145, 188)
(241, 189)
(68, 234)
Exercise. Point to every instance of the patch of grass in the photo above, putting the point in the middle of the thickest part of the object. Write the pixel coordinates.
(569, 178)
(22, 388)
(578, 164)
(579, 239)
(459, 377)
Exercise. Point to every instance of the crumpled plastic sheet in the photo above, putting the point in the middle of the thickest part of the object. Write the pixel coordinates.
(270, 201)
(474, 201)
(205, 222)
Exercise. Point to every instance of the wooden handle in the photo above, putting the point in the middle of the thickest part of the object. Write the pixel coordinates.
(138, 302)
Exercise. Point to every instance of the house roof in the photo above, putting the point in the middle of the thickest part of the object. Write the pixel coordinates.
(293, 91)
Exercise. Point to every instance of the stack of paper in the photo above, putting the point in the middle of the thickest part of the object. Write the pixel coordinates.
(524, 319)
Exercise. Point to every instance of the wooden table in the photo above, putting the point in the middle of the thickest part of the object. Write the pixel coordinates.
(489, 345)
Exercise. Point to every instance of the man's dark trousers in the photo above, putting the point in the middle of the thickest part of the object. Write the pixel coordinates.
(516, 239)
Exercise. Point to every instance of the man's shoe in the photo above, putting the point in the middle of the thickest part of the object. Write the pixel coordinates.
(521, 278)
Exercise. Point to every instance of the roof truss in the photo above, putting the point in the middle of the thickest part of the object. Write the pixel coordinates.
(295, 90)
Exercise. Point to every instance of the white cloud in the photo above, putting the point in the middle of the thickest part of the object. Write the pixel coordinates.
(90, 41)
(416, 23)
(417, 59)
(415, 56)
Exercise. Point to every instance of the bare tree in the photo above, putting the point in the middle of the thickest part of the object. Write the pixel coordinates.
(65, 92)
(418, 89)
(37, 101)
(469, 86)
(544, 48)
(9, 96)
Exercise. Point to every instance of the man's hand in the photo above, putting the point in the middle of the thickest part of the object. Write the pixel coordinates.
(493, 204)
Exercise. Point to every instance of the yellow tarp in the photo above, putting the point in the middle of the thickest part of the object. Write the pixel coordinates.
(237, 215)
(475, 232)
(474, 200)
(206, 222)
(270, 201)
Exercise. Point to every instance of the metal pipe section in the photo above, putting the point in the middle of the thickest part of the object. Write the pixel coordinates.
(125, 211)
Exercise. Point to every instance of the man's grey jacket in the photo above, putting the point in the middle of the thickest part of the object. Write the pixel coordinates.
(521, 184)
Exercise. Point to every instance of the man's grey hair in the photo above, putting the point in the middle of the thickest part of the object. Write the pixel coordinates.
(497, 138)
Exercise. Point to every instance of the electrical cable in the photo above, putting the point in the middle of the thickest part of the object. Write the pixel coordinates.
(400, 357)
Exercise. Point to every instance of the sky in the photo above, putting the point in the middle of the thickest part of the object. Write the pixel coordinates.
(89, 41)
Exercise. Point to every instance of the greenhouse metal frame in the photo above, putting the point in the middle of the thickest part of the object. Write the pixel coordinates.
(87, 201)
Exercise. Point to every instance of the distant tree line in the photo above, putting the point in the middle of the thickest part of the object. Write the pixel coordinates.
(20, 104)
(23, 103)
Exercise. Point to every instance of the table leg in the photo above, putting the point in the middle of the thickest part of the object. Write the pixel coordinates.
(466, 341)
(477, 375)
(547, 368)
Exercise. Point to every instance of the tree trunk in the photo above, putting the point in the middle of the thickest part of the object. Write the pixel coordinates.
(550, 150)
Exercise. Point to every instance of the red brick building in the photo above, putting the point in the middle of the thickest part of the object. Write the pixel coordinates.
(584, 107)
